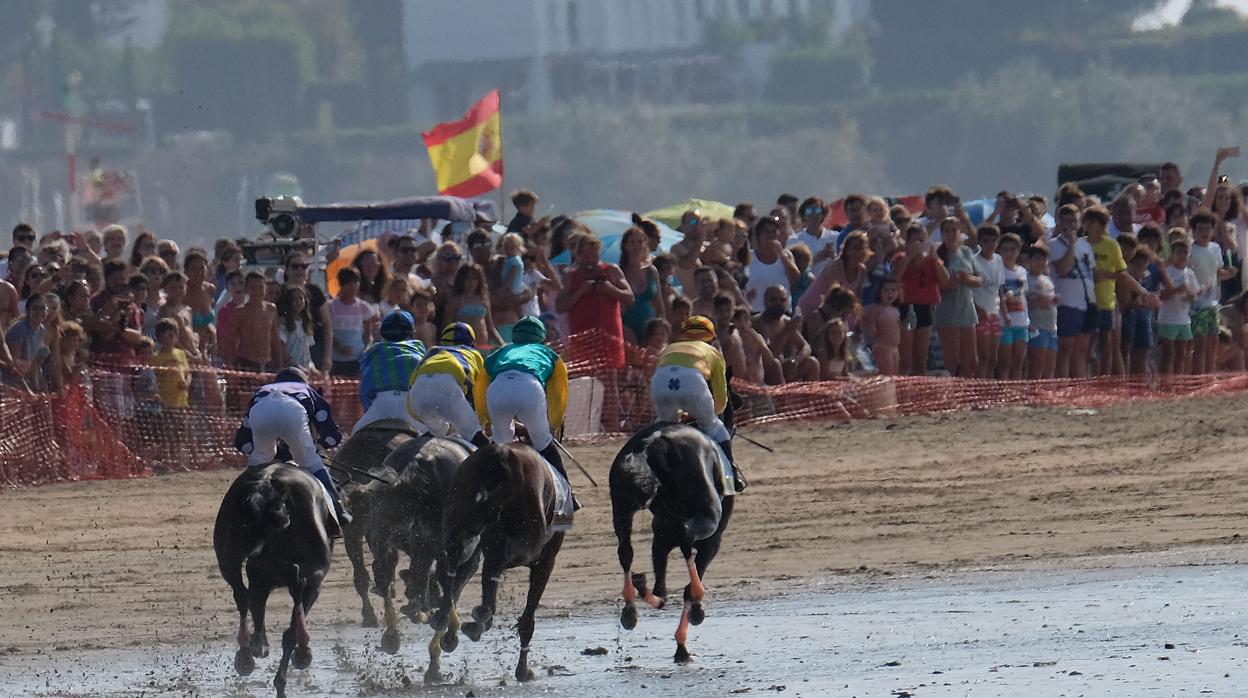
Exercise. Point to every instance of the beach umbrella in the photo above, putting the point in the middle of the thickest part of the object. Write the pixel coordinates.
(608, 225)
(670, 215)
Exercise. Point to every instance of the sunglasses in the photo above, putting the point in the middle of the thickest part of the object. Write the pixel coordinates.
(691, 221)
(809, 211)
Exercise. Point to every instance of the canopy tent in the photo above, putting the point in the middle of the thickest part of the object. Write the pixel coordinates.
(608, 225)
(670, 215)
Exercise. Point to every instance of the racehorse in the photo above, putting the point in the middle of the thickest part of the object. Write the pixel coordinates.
(364, 450)
(677, 472)
(406, 516)
(279, 521)
(500, 508)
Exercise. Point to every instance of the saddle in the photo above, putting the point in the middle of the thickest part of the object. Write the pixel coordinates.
(562, 519)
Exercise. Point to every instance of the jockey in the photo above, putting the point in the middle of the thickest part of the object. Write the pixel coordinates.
(452, 374)
(692, 376)
(386, 370)
(286, 409)
(528, 383)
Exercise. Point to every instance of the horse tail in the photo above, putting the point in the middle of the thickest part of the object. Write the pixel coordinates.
(267, 513)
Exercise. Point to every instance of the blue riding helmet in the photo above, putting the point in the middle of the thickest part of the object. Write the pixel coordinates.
(398, 326)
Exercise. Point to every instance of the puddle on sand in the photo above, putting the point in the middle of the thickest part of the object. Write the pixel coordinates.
(1053, 634)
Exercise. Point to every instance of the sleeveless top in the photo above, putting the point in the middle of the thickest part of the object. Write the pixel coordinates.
(762, 277)
(637, 315)
(596, 311)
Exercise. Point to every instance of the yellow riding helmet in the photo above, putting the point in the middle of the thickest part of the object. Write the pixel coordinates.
(459, 334)
(697, 329)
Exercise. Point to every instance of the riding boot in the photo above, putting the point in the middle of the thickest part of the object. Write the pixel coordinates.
(480, 440)
(551, 453)
(344, 516)
(737, 476)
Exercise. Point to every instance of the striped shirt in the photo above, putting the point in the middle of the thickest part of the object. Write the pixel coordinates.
(388, 366)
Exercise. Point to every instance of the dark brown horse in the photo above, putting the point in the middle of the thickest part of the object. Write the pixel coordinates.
(366, 449)
(500, 508)
(406, 517)
(278, 521)
(676, 472)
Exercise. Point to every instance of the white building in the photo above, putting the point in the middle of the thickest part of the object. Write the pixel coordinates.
(545, 51)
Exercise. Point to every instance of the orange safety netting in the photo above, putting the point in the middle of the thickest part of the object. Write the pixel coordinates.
(114, 425)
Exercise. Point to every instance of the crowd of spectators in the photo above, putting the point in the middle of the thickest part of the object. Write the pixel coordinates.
(1148, 283)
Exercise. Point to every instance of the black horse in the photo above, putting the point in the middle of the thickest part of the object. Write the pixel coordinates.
(676, 471)
(406, 517)
(365, 450)
(500, 508)
(278, 521)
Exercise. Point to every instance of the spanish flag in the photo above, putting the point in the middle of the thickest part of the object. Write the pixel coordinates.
(467, 155)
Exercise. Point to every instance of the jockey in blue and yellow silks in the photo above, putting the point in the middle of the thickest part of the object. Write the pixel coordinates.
(451, 374)
(386, 371)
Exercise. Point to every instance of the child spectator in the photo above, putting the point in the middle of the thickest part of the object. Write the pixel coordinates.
(26, 343)
(836, 357)
(882, 325)
(922, 274)
(235, 297)
(422, 313)
(147, 403)
(987, 297)
(679, 311)
(1211, 269)
(294, 328)
(1042, 303)
(511, 277)
(395, 296)
(200, 293)
(353, 319)
(805, 276)
(1016, 331)
(173, 367)
(1174, 321)
(658, 335)
(1137, 311)
(1109, 269)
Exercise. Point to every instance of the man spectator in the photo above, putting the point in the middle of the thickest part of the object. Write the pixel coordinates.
(254, 349)
(784, 337)
(26, 345)
(168, 251)
(788, 202)
(1122, 217)
(24, 236)
(525, 202)
(1148, 208)
(117, 322)
(688, 251)
(706, 285)
(727, 336)
(822, 242)
(406, 252)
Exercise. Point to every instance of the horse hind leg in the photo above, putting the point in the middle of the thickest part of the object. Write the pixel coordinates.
(384, 564)
(244, 663)
(257, 598)
(492, 570)
(353, 542)
(416, 585)
(694, 594)
(539, 576)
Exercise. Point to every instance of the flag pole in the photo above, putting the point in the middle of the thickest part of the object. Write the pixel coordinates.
(502, 178)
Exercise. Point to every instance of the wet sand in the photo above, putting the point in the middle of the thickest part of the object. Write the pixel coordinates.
(104, 566)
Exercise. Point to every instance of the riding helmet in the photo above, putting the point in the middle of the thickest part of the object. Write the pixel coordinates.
(291, 374)
(529, 330)
(698, 328)
(397, 326)
(459, 334)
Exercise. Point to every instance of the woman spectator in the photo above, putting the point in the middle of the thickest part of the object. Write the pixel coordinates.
(229, 260)
(445, 267)
(27, 345)
(770, 264)
(954, 316)
(593, 299)
(643, 279)
(295, 328)
(144, 246)
(922, 275)
(848, 271)
(200, 293)
(470, 303)
(35, 280)
(374, 276)
(296, 276)
(76, 301)
(114, 241)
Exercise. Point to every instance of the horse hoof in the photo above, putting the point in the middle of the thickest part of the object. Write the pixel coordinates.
(628, 617)
(260, 651)
(682, 655)
(302, 657)
(390, 641)
(369, 620)
(697, 614)
(420, 617)
(244, 663)
(449, 642)
(480, 613)
(473, 630)
(524, 674)
(433, 676)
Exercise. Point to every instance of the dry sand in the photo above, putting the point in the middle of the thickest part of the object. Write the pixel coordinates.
(114, 564)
